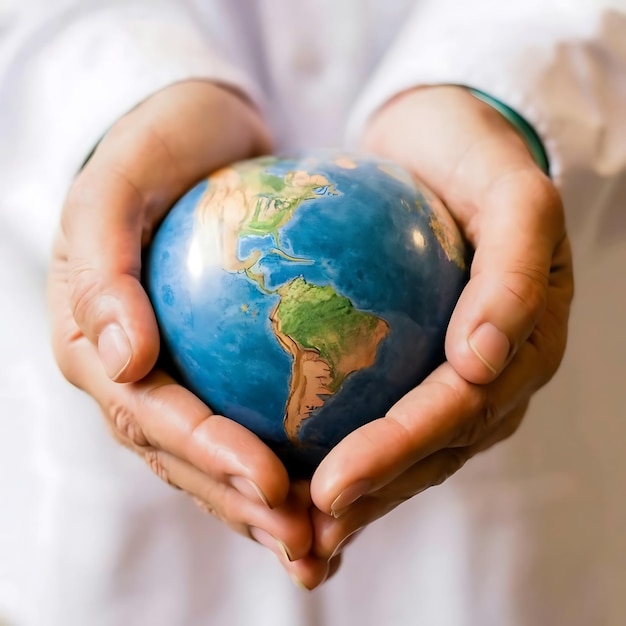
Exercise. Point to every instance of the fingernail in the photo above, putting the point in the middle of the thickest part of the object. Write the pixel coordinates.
(298, 583)
(269, 541)
(115, 351)
(349, 495)
(249, 489)
(491, 346)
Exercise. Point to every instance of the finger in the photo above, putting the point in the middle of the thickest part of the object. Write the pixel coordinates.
(230, 473)
(140, 168)
(332, 534)
(310, 572)
(435, 469)
(333, 566)
(160, 414)
(285, 530)
(421, 423)
(444, 411)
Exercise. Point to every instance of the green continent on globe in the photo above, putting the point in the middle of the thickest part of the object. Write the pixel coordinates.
(276, 198)
(247, 200)
(328, 339)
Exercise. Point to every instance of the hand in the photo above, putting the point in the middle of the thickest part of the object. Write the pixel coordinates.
(508, 332)
(105, 335)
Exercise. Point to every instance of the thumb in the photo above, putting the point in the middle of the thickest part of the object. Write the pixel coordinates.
(520, 227)
(508, 210)
(103, 263)
(147, 160)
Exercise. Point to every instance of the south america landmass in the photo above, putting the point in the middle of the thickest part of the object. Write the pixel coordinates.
(328, 339)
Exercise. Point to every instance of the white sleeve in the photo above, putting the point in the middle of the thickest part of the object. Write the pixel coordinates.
(561, 64)
(69, 69)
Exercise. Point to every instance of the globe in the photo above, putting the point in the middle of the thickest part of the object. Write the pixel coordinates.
(303, 296)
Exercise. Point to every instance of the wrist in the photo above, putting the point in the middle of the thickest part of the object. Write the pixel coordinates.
(521, 125)
(450, 100)
(186, 124)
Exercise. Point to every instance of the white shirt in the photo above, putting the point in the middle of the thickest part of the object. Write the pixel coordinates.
(529, 534)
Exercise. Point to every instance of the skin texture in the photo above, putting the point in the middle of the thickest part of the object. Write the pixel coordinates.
(521, 285)
(106, 340)
(104, 331)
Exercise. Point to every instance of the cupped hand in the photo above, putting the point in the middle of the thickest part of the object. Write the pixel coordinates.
(508, 332)
(105, 335)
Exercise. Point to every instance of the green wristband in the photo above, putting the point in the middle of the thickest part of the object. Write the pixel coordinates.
(528, 133)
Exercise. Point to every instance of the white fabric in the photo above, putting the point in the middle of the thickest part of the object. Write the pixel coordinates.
(529, 534)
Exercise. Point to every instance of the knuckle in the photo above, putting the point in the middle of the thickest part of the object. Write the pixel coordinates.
(216, 505)
(84, 289)
(199, 434)
(543, 196)
(473, 397)
(226, 502)
(483, 414)
(124, 422)
(452, 461)
(548, 201)
(549, 346)
(397, 433)
(529, 288)
(77, 196)
(155, 461)
(507, 428)
(206, 506)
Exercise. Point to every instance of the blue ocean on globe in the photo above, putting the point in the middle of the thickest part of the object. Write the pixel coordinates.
(304, 296)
